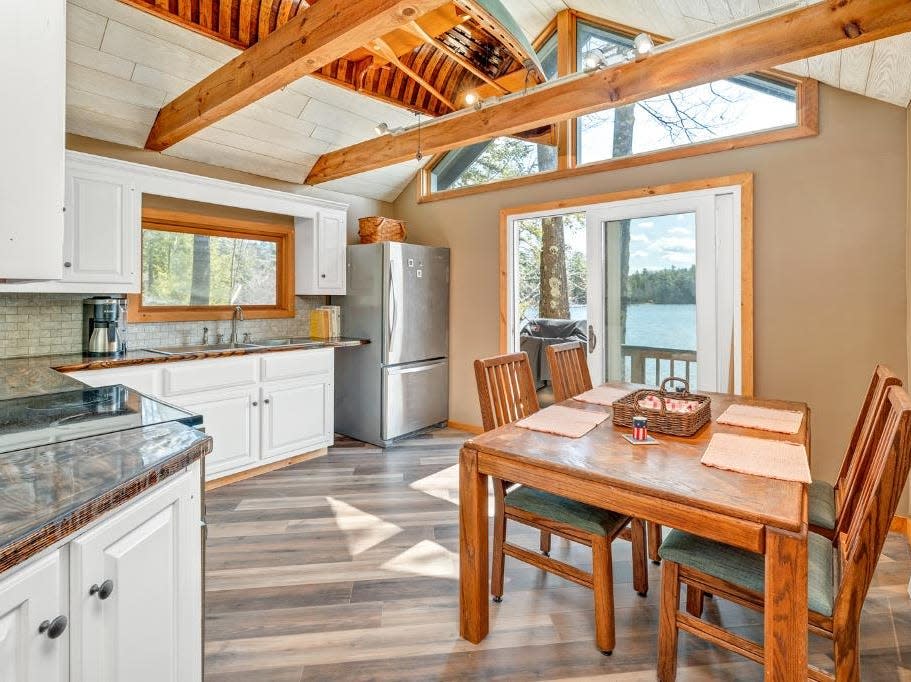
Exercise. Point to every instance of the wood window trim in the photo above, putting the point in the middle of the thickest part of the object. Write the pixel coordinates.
(178, 221)
(743, 180)
(565, 24)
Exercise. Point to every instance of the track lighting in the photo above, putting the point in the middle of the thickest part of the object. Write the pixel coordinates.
(381, 129)
(643, 44)
(471, 97)
(601, 57)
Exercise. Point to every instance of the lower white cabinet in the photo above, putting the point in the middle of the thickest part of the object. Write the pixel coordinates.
(119, 602)
(34, 627)
(295, 416)
(135, 591)
(232, 419)
(258, 408)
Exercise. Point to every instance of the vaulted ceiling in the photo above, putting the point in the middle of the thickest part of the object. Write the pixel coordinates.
(125, 62)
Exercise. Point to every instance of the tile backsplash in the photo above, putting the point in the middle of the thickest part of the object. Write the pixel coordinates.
(44, 324)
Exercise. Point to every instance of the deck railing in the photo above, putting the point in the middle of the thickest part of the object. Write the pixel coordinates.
(675, 362)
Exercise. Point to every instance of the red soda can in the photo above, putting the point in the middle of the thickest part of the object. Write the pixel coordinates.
(640, 428)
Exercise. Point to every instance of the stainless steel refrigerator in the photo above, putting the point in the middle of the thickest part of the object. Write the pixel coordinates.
(398, 297)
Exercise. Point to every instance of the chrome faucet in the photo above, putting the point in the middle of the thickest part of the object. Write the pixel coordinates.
(238, 315)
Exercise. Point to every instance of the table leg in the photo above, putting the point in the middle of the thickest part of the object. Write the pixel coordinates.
(785, 605)
(473, 573)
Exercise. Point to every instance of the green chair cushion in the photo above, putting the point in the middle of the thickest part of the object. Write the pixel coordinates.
(579, 515)
(747, 569)
(821, 501)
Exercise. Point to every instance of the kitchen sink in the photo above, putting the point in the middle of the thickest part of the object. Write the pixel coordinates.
(202, 348)
(301, 342)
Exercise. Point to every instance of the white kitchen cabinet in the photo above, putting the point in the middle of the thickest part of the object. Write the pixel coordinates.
(135, 581)
(258, 408)
(296, 417)
(33, 79)
(34, 627)
(102, 231)
(232, 418)
(320, 245)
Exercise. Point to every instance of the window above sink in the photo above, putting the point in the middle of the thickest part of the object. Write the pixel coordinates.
(199, 267)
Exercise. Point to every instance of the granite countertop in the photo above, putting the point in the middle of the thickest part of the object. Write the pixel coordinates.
(22, 377)
(51, 491)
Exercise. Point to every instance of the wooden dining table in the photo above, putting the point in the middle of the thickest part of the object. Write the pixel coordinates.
(664, 483)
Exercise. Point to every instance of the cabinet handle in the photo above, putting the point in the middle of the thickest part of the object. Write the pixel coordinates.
(255, 403)
(105, 590)
(67, 264)
(266, 401)
(53, 628)
(323, 276)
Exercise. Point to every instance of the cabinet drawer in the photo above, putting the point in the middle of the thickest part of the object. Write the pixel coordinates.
(287, 365)
(204, 375)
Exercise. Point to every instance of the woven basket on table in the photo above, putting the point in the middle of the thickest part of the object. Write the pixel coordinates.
(378, 229)
(662, 421)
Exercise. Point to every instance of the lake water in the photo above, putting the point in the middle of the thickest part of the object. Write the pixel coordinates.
(659, 326)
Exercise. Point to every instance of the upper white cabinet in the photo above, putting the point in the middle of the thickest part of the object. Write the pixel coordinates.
(103, 229)
(33, 79)
(320, 244)
(34, 626)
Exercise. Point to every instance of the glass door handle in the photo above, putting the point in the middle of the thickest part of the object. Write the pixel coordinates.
(592, 339)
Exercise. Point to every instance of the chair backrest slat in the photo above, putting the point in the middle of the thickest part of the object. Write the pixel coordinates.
(878, 492)
(568, 369)
(860, 448)
(505, 389)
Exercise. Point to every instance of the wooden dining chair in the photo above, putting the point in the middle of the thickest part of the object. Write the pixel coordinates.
(507, 393)
(570, 376)
(839, 572)
(827, 501)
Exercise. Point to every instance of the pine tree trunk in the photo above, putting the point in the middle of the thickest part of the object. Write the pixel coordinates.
(624, 120)
(554, 293)
(199, 289)
(554, 302)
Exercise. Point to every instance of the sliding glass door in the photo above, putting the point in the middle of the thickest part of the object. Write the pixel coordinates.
(649, 285)
(663, 279)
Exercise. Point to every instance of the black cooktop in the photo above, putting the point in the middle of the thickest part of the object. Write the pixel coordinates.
(58, 417)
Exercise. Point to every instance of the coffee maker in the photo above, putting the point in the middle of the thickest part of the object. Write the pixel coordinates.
(104, 326)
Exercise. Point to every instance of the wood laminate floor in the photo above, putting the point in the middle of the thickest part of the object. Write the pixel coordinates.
(345, 568)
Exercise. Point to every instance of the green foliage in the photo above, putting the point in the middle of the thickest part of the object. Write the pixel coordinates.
(241, 271)
(504, 158)
(672, 285)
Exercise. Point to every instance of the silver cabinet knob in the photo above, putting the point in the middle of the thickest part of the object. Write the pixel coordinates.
(53, 628)
(266, 401)
(67, 264)
(255, 403)
(105, 590)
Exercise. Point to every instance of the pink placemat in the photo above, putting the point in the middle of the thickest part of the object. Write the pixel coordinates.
(762, 418)
(602, 395)
(562, 421)
(758, 456)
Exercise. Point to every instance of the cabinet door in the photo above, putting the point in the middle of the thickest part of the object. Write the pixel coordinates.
(102, 229)
(29, 597)
(232, 419)
(330, 249)
(135, 587)
(33, 79)
(296, 418)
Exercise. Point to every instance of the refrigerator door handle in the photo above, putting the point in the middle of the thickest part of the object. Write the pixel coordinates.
(393, 306)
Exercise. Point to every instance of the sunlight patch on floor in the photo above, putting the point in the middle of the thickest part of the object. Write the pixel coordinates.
(444, 485)
(362, 530)
(426, 558)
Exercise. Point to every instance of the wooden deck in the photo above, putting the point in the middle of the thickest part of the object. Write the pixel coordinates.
(345, 568)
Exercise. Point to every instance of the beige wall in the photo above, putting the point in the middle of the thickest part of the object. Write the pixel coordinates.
(359, 206)
(830, 290)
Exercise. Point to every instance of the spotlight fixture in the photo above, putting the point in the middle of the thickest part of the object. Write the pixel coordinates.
(471, 97)
(381, 129)
(601, 57)
(643, 44)
(591, 60)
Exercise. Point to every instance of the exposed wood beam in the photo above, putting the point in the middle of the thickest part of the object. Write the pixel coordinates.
(381, 49)
(313, 38)
(823, 27)
(415, 28)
